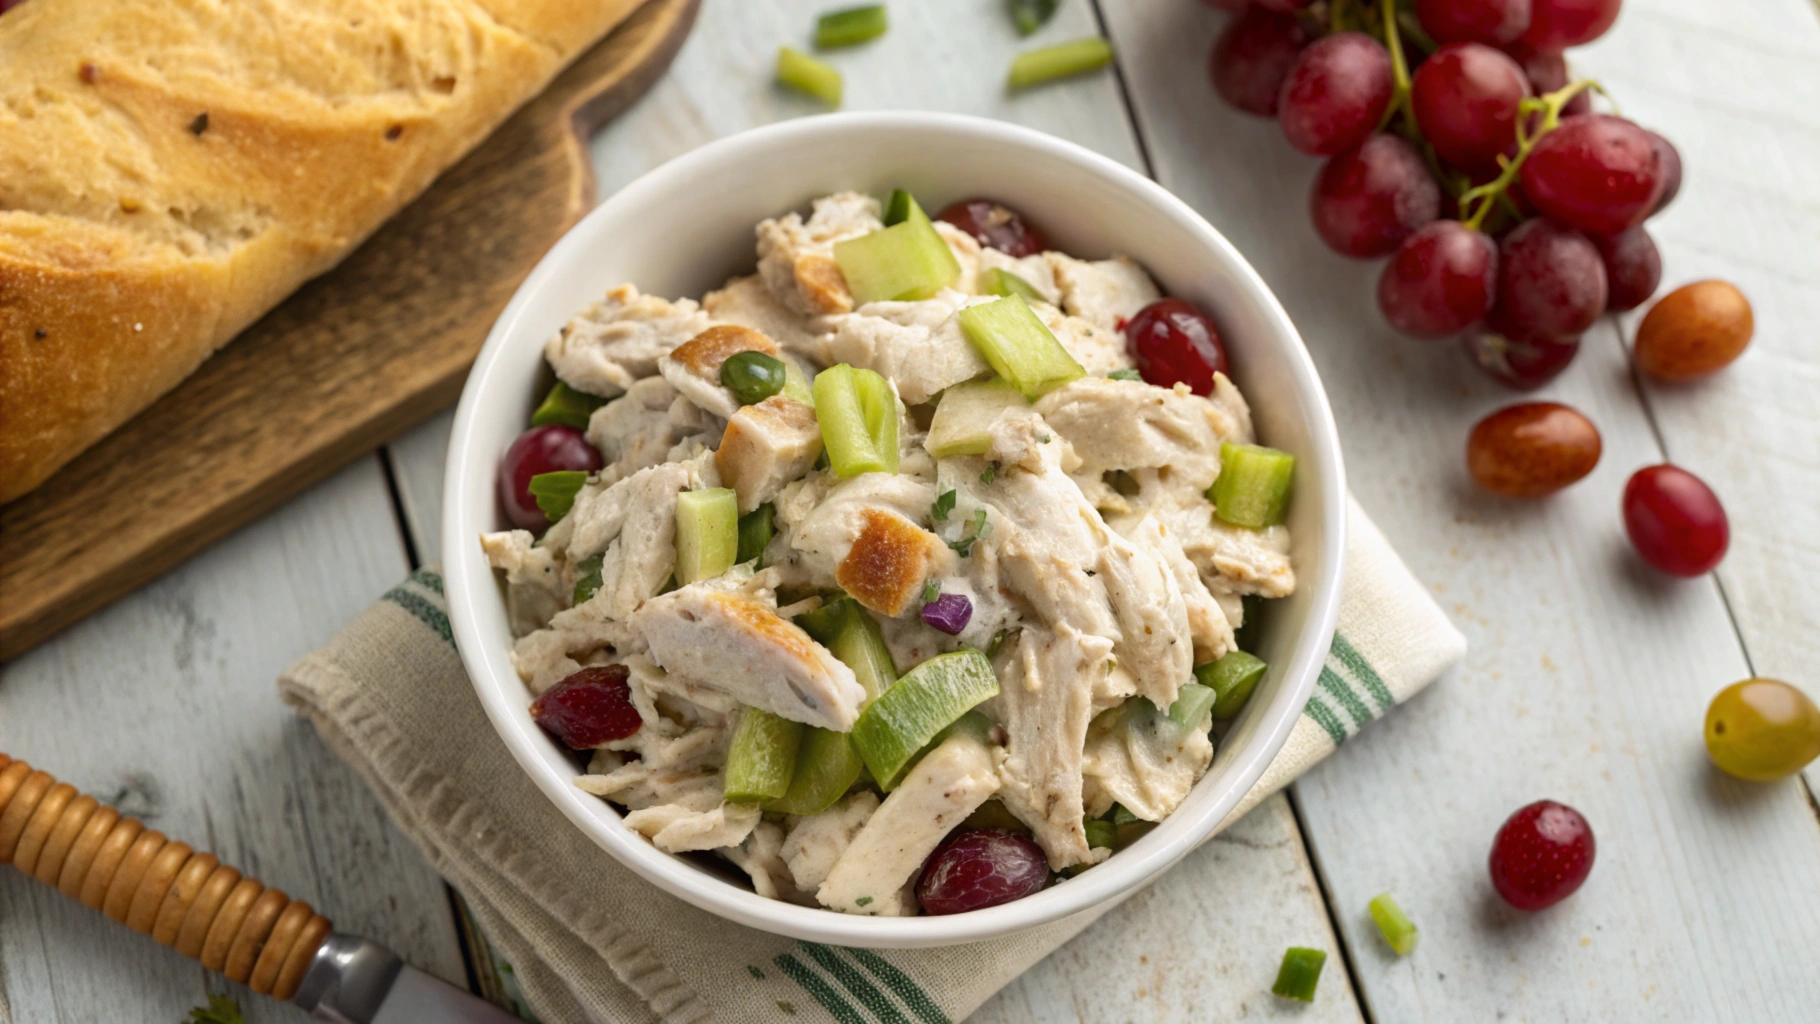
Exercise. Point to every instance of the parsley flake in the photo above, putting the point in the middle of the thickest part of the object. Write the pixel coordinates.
(862, 901)
(931, 591)
(943, 505)
(1125, 375)
(990, 474)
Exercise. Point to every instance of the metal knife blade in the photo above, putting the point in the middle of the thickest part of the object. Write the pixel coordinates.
(358, 981)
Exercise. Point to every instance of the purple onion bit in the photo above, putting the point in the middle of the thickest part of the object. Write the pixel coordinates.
(949, 613)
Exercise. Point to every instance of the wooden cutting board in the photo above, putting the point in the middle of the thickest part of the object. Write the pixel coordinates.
(351, 360)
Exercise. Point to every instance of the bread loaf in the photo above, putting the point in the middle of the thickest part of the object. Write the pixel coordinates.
(171, 169)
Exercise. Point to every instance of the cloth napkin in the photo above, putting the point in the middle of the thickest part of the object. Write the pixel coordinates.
(589, 941)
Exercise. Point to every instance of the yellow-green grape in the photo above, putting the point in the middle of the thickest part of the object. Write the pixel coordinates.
(1762, 730)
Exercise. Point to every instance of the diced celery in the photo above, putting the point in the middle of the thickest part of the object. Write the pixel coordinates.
(901, 263)
(566, 406)
(1253, 486)
(707, 534)
(1100, 834)
(1300, 973)
(1398, 930)
(853, 25)
(828, 764)
(1034, 67)
(555, 492)
(1192, 702)
(1120, 816)
(1232, 678)
(756, 528)
(762, 757)
(902, 721)
(897, 208)
(587, 578)
(999, 281)
(798, 70)
(796, 386)
(965, 415)
(857, 411)
(1016, 344)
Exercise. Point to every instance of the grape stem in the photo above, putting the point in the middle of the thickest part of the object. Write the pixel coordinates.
(1399, 100)
(1488, 195)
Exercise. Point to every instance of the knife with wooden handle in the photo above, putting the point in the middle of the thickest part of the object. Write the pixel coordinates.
(202, 908)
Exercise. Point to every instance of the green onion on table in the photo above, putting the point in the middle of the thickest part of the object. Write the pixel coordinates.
(1034, 67)
(851, 26)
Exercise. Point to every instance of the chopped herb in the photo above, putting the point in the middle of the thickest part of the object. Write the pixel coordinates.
(1030, 15)
(1120, 816)
(991, 472)
(555, 492)
(220, 1010)
(862, 901)
(931, 591)
(981, 530)
(587, 579)
(1042, 439)
(1125, 375)
(850, 26)
(943, 505)
(998, 641)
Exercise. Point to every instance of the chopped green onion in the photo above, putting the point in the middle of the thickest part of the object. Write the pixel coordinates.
(1018, 346)
(762, 757)
(1125, 375)
(857, 411)
(707, 534)
(990, 473)
(981, 530)
(566, 406)
(1232, 678)
(897, 208)
(1100, 834)
(798, 70)
(853, 25)
(931, 591)
(1192, 701)
(587, 579)
(963, 418)
(756, 528)
(1300, 973)
(998, 642)
(928, 699)
(905, 262)
(1029, 15)
(999, 281)
(752, 376)
(1253, 486)
(1034, 67)
(827, 765)
(943, 504)
(555, 492)
(1120, 816)
(796, 386)
(1396, 926)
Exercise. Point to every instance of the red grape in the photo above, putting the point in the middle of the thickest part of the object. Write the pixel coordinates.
(996, 226)
(1235, 6)
(1465, 99)
(1171, 341)
(1252, 57)
(1675, 521)
(1541, 855)
(1286, 6)
(1633, 267)
(589, 708)
(1336, 93)
(1440, 281)
(979, 867)
(1595, 172)
(1367, 200)
(1551, 283)
(1547, 71)
(1523, 365)
(1559, 24)
(1671, 170)
(1496, 22)
(540, 450)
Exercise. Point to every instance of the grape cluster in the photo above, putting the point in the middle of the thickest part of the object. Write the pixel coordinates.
(1457, 146)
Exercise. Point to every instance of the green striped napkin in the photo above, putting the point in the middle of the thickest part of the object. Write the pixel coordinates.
(589, 941)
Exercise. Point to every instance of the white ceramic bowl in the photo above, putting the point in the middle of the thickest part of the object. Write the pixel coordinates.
(685, 227)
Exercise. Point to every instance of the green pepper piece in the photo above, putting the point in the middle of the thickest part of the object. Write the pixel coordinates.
(1192, 701)
(566, 406)
(1100, 834)
(756, 528)
(827, 765)
(929, 698)
(1232, 678)
(762, 756)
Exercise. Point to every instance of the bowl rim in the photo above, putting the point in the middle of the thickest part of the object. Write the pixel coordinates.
(468, 579)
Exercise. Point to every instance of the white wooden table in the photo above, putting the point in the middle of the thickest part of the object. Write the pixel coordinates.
(1586, 682)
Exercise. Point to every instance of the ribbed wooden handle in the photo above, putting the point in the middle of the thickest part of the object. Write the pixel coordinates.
(189, 901)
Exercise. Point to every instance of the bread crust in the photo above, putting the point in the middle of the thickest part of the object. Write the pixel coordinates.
(170, 170)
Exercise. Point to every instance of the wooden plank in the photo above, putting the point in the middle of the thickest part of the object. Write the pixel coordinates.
(165, 705)
(952, 56)
(1587, 677)
(353, 358)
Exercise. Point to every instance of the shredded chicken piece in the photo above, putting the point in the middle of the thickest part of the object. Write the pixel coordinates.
(766, 446)
(693, 368)
(535, 588)
(641, 428)
(1141, 760)
(618, 340)
(760, 857)
(796, 257)
(918, 345)
(747, 302)
(815, 842)
(675, 829)
(1235, 558)
(1105, 292)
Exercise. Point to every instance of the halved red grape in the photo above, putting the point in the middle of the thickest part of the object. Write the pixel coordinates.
(1551, 282)
(1541, 855)
(540, 450)
(1495, 22)
(1368, 199)
(1336, 93)
(1465, 99)
(1523, 365)
(589, 708)
(1595, 172)
(1671, 170)
(1547, 71)
(995, 225)
(977, 868)
(1440, 281)
(1559, 24)
(1252, 56)
(1675, 521)
(1633, 267)
(1171, 341)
